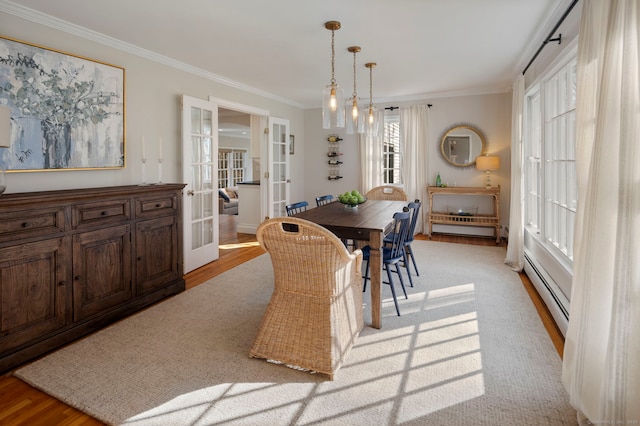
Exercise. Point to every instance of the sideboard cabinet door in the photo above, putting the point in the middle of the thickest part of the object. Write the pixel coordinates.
(157, 261)
(101, 270)
(35, 291)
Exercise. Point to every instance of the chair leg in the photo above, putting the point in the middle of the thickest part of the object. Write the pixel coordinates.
(407, 266)
(413, 259)
(366, 275)
(404, 289)
(393, 290)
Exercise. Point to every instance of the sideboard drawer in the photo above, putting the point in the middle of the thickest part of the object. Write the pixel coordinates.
(156, 206)
(24, 224)
(104, 212)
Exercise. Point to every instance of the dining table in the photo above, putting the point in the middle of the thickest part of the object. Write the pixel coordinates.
(368, 222)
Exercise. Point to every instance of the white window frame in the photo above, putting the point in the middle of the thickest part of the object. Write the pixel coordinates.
(391, 158)
(549, 160)
(232, 168)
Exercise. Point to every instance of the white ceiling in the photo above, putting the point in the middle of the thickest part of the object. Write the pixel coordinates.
(281, 49)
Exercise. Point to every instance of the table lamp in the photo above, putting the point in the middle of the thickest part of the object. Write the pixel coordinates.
(487, 163)
(5, 140)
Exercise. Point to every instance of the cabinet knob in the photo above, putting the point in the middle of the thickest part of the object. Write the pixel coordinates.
(103, 213)
(140, 258)
(61, 283)
(77, 277)
(26, 224)
(158, 206)
(190, 193)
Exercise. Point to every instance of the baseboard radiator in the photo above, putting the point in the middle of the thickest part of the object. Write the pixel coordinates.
(557, 304)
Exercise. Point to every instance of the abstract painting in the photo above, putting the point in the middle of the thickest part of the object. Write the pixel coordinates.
(67, 112)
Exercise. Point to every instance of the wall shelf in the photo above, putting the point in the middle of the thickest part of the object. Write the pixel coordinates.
(448, 218)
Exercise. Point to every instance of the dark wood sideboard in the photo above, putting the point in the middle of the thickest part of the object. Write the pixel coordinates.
(74, 261)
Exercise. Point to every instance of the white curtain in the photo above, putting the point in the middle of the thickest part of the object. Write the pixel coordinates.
(515, 248)
(601, 367)
(414, 123)
(371, 157)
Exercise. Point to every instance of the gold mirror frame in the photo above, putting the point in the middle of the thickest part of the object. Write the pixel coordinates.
(461, 145)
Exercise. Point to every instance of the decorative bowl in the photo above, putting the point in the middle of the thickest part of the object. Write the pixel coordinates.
(351, 205)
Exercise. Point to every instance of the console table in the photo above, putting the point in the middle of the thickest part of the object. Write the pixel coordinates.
(451, 218)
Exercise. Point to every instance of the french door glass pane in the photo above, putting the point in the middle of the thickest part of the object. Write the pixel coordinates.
(196, 235)
(196, 207)
(207, 226)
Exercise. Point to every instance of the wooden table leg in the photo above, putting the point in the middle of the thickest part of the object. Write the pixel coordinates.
(375, 266)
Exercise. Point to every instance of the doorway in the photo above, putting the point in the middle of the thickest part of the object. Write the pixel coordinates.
(200, 145)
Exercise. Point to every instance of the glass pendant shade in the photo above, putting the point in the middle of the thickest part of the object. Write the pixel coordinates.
(371, 122)
(332, 107)
(354, 116)
(353, 111)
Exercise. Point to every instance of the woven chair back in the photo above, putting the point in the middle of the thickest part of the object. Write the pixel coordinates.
(387, 192)
(305, 255)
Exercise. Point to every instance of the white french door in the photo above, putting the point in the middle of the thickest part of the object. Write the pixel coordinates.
(200, 173)
(279, 181)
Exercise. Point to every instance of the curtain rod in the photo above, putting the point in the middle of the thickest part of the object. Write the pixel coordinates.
(391, 108)
(548, 39)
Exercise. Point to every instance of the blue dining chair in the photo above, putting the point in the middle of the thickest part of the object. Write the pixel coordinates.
(324, 199)
(296, 208)
(414, 210)
(392, 254)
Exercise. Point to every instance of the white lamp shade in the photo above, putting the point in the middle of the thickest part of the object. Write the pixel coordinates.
(488, 162)
(333, 107)
(5, 127)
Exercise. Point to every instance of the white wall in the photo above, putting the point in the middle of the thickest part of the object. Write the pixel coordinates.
(491, 114)
(152, 94)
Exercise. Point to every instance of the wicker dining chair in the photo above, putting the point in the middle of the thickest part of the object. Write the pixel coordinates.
(386, 192)
(298, 207)
(315, 312)
(324, 199)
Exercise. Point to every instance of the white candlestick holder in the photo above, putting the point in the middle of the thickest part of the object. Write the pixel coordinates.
(160, 172)
(143, 171)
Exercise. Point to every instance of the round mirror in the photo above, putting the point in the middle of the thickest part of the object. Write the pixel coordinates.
(461, 145)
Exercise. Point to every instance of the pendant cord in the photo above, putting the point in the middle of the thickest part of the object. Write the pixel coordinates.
(354, 77)
(333, 58)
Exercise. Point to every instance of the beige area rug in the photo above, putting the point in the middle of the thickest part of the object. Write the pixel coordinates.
(469, 349)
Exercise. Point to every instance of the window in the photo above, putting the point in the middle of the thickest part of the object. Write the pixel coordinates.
(391, 154)
(231, 167)
(550, 160)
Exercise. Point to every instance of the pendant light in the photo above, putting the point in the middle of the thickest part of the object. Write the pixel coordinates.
(371, 122)
(332, 96)
(355, 123)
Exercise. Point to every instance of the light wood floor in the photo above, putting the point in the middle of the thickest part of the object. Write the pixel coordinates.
(21, 404)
